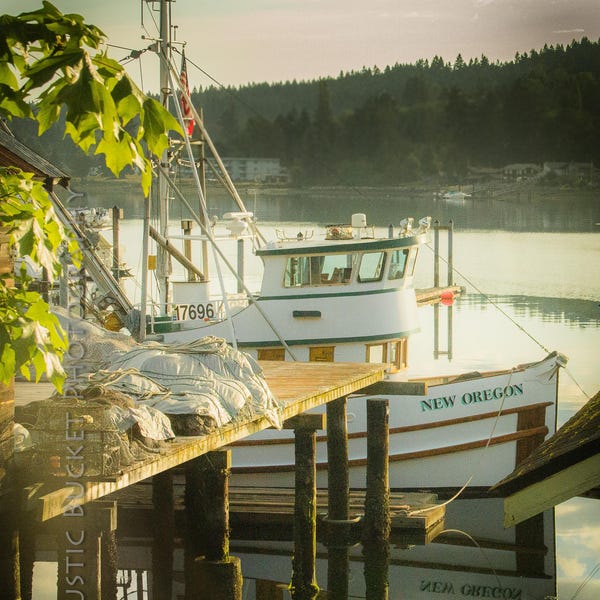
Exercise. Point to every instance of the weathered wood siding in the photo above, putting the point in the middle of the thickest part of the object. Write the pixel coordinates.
(7, 396)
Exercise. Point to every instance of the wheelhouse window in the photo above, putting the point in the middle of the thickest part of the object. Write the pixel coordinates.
(398, 261)
(328, 269)
(371, 267)
(412, 260)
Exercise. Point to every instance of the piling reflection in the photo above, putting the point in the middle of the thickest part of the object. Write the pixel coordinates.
(147, 557)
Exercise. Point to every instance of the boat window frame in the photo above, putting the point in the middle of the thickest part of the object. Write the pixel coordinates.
(369, 350)
(315, 268)
(400, 273)
(380, 269)
(315, 353)
(394, 353)
(411, 262)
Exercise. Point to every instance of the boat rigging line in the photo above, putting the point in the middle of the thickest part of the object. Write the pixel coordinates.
(204, 219)
(172, 73)
(216, 248)
(256, 112)
(503, 312)
(176, 82)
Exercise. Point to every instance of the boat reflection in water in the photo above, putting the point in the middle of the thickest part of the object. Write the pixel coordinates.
(471, 555)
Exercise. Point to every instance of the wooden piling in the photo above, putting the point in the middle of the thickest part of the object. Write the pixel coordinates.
(217, 505)
(304, 585)
(207, 504)
(376, 570)
(194, 510)
(377, 521)
(216, 575)
(216, 580)
(109, 565)
(338, 526)
(163, 501)
(9, 557)
(337, 457)
(338, 568)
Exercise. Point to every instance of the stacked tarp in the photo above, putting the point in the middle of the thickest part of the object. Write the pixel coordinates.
(200, 385)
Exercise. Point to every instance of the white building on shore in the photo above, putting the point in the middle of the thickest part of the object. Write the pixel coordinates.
(263, 170)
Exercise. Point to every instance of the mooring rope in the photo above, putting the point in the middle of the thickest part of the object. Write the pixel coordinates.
(480, 461)
(489, 299)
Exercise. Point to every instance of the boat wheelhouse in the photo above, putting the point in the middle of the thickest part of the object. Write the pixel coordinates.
(345, 296)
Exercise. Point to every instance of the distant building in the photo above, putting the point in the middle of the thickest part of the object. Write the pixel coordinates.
(521, 170)
(558, 168)
(583, 171)
(263, 170)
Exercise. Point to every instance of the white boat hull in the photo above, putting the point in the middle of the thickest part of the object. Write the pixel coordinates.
(466, 432)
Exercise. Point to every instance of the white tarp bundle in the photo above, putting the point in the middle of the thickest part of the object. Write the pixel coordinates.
(205, 378)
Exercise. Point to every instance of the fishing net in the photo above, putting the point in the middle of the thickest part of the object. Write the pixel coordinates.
(199, 385)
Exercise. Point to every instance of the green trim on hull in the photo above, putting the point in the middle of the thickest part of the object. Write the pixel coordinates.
(333, 294)
(310, 341)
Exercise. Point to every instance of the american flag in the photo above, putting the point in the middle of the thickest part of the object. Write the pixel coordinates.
(186, 109)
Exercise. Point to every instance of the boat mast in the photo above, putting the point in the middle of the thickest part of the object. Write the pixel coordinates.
(163, 261)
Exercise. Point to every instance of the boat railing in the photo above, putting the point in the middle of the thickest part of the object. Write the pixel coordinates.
(161, 318)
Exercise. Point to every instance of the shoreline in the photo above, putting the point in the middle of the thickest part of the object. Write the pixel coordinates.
(497, 190)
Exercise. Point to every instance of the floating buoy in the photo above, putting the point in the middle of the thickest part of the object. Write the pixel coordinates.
(447, 298)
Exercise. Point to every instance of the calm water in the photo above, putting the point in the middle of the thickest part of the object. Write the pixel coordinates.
(532, 273)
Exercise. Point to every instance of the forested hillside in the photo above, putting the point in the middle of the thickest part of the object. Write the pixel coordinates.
(408, 122)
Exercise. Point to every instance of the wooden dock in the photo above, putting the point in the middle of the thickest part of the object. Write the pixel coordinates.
(274, 507)
(344, 517)
(298, 387)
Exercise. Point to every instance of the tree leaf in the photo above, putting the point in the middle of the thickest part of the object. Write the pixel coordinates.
(117, 153)
(156, 123)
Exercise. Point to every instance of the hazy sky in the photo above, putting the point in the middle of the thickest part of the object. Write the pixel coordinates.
(241, 41)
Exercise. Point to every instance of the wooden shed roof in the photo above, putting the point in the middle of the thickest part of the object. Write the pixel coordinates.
(14, 153)
(577, 440)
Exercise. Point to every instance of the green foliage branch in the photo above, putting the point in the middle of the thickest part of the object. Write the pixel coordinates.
(31, 339)
(44, 58)
(50, 61)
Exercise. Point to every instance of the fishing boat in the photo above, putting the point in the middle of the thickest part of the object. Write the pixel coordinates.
(345, 293)
(466, 431)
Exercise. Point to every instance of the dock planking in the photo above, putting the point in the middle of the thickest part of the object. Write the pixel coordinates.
(262, 506)
(433, 295)
(297, 386)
